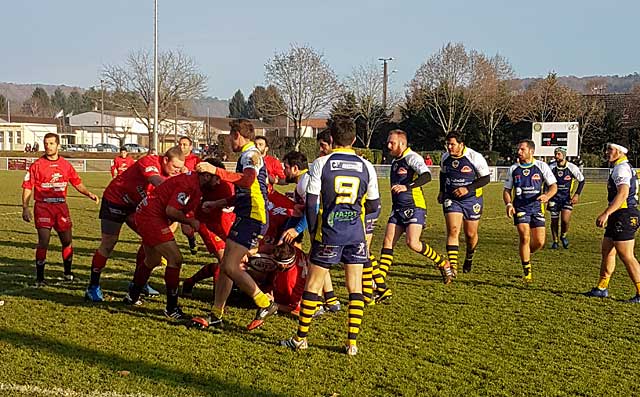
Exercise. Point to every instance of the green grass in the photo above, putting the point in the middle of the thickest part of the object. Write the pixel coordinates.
(486, 334)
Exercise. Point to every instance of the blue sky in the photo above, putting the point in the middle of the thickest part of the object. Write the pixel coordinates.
(68, 41)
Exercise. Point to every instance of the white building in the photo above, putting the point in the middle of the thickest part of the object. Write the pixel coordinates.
(23, 130)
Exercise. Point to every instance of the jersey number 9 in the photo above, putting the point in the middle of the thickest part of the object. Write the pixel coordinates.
(346, 189)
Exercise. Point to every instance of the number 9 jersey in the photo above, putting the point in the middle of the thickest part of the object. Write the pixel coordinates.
(343, 181)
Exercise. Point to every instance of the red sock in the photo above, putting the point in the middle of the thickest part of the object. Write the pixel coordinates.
(41, 254)
(98, 262)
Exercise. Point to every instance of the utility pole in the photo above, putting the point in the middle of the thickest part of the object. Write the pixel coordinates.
(102, 110)
(175, 126)
(8, 110)
(385, 80)
(154, 135)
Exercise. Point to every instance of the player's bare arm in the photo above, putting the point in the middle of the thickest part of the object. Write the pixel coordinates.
(552, 190)
(178, 216)
(506, 197)
(618, 200)
(26, 198)
(82, 189)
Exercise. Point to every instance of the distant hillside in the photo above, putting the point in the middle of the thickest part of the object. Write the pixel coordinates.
(18, 93)
(217, 107)
(613, 84)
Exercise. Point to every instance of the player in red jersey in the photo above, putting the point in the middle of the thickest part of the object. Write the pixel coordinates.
(119, 202)
(289, 281)
(121, 163)
(215, 223)
(190, 162)
(48, 178)
(168, 203)
(274, 166)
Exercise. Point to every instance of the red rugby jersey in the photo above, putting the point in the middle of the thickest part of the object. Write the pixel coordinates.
(130, 187)
(120, 165)
(181, 192)
(191, 161)
(48, 179)
(218, 216)
(280, 209)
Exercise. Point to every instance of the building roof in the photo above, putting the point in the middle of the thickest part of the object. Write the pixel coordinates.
(33, 120)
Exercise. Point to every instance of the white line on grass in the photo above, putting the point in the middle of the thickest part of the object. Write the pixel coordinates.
(504, 216)
(56, 391)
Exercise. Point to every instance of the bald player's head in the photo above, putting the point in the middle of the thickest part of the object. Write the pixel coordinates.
(397, 142)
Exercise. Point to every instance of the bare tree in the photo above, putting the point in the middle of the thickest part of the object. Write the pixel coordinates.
(589, 112)
(445, 84)
(132, 84)
(545, 100)
(366, 85)
(306, 83)
(494, 88)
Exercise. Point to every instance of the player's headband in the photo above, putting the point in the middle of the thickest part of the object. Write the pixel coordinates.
(285, 261)
(560, 149)
(618, 147)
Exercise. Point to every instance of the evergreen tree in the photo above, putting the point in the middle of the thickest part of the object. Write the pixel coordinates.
(238, 106)
(59, 101)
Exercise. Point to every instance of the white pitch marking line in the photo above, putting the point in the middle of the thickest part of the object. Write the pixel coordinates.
(504, 216)
(56, 391)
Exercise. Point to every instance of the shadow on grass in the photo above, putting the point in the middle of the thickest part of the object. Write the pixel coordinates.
(155, 372)
(54, 249)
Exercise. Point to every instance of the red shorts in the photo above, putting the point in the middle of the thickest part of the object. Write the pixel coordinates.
(52, 215)
(153, 231)
(212, 241)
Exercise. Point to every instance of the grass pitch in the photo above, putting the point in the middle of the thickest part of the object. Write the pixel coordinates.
(486, 334)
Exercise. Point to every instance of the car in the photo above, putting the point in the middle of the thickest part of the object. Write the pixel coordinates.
(135, 148)
(107, 147)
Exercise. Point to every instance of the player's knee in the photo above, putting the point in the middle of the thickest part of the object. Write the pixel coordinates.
(415, 245)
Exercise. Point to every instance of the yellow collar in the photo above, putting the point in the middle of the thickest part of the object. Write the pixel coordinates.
(343, 150)
(247, 146)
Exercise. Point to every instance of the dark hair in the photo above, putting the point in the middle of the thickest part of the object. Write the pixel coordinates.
(343, 132)
(259, 137)
(399, 132)
(284, 255)
(243, 127)
(216, 162)
(174, 152)
(51, 135)
(187, 138)
(324, 135)
(123, 149)
(457, 135)
(296, 158)
(529, 142)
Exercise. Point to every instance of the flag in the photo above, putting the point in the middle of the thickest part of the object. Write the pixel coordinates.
(59, 114)
(70, 114)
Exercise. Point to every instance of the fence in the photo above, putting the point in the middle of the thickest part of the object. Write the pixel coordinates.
(104, 165)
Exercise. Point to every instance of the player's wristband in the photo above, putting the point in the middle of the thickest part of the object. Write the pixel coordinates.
(509, 205)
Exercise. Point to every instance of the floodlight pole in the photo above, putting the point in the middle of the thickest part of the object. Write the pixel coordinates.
(385, 80)
(154, 136)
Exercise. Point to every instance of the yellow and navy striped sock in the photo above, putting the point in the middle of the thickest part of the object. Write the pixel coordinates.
(217, 312)
(637, 288)
(308, 306)
(526, 268)
(367, 281)
(330, 298)
(452, 254)
(469, 255)
(431, 254)
(381, 285)
(356, 310)
(386, 259)
(603, 283)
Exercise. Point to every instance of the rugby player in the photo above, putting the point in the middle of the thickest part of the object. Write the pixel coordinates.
(121, 162)
(561, 205)
(250, 202)
(48, 178)
(273, 165)
(190, 162)
(119, 202)
(408, 174)
(170, 202)
(524, 197)
(343, 186)
(463, 174)
(620, 220)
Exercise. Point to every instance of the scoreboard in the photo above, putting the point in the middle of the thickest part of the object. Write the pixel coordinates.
(548, 136)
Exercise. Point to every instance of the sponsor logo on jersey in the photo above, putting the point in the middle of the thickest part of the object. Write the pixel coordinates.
(526, 172)
(341, 216)
(402, 171)
(151, 168)
(536, 177)
(455, 163)
(55, 177)
(183, 198)
(567, 178)
(477, 208)
(560, 173)
(346, 165)
(466, 169)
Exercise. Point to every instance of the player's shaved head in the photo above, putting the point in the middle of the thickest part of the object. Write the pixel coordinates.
(174, 153)
(397, 142)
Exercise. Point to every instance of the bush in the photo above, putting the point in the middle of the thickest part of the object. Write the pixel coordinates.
(592, 160)
(373, 155)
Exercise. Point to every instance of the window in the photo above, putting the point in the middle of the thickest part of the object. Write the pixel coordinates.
(19, 137)
(10, 139)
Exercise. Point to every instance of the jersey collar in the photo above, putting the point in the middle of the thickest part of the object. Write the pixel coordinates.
(405, 152)
(464, 151)
(248, 146)
(343, 150)
(529, 165)
(620, 160)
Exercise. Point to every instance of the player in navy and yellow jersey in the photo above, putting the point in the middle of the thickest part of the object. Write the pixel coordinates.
(561, 205)
(620, 220)
(342, 188)
(408, 174)
(463, 174)
(524, 196)
(250, 207)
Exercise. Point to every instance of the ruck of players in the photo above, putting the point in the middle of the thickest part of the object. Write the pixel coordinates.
(276, 250)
